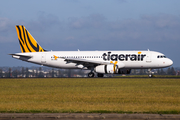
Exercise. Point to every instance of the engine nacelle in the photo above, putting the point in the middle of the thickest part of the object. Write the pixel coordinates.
(124, 71)
(106, 69)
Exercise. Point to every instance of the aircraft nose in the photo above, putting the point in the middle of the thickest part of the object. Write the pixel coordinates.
(169, 62)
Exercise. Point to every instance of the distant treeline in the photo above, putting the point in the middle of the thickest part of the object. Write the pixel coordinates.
(165, 71)
(40, 72)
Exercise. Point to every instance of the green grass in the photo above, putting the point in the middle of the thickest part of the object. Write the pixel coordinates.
(54, 95)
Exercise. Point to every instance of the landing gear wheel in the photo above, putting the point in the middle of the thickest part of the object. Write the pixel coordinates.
(100, 75)
(91, 74)
(150, 76)
(150, 73)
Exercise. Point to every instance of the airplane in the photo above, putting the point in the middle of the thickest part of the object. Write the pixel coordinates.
(100, 62)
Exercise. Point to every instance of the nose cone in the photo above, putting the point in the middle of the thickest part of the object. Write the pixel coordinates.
(169, 62)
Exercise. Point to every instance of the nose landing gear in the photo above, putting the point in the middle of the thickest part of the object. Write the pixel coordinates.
(150, 73)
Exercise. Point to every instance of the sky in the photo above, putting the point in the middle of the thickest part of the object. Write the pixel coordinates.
(69, 25)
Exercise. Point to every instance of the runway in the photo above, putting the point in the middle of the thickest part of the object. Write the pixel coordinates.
(100, 78)
(86, 116)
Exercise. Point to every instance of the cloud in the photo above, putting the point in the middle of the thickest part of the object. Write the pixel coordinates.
(5, 23)
(95, 27)
(121, 1)
(7, 27)
(92, 21)
(73, 1)
(44, 22)
(70, 38)
(162, 20)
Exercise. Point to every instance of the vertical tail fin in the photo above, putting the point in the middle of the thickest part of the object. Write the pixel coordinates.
(26, 40)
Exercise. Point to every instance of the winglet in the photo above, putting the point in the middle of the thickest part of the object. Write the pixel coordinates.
(26, 40)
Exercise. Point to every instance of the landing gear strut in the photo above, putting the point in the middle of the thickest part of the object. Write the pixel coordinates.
(91, 74)
(150, 73)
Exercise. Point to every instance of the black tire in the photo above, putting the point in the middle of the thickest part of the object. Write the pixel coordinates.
(100, 75)
(91, 74)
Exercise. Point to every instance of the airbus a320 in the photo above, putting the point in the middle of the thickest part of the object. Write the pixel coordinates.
(100, 62)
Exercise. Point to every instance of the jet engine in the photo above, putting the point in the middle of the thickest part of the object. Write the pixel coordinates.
(111, 69)
(106, 69)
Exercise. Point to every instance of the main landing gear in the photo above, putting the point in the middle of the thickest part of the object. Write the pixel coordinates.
(91, 74)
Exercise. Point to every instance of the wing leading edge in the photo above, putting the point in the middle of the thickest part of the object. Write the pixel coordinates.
(84, 62)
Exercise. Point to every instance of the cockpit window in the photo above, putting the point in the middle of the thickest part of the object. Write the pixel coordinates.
(161, 56)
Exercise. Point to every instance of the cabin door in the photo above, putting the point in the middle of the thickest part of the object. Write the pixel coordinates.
(148, 57)
(43, 58)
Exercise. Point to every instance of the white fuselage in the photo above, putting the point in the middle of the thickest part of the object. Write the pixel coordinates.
(124, 59)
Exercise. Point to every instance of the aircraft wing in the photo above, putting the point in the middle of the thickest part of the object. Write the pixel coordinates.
(84, 62)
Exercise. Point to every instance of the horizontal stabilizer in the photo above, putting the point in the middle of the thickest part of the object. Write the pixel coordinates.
(20, 56)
